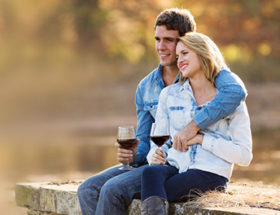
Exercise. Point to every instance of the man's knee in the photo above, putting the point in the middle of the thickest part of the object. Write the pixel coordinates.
(115, 191)
(88, 190)
(110, 188)
(82, 191)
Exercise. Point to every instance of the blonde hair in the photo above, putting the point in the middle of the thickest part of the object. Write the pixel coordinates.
(209, 55)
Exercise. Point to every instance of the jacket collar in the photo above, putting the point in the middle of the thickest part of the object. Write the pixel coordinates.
(159, 76)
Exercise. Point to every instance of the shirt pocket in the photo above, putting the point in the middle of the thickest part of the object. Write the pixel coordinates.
(152, 108)
(178, 117)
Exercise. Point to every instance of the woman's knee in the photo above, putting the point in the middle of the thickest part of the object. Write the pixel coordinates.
(157, 171)
(151, 172)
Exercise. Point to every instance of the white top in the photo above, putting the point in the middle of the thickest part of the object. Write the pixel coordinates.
(226, 142)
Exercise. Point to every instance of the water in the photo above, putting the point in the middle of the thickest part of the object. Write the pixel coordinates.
(66, 153)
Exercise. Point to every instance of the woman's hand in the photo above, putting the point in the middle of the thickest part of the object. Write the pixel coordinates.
(158, 157)
(126, 156)
(197, 139)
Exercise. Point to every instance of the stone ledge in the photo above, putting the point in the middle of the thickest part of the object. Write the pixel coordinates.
(46, 198)
(61, 199)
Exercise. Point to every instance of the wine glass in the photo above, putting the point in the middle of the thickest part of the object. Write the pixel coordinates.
(159, 134)
(127, 139)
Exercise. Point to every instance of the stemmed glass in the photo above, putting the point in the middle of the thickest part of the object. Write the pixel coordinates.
(159, 134)
(127, 139)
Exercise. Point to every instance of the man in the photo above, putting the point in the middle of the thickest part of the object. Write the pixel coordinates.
(111, 191)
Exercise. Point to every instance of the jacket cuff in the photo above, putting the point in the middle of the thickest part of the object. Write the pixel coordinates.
(207, 143)
(139, 159)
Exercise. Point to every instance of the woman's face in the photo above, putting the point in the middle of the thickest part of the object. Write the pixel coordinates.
(187, 61)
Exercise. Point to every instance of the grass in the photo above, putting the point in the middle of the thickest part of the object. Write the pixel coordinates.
(242, 194)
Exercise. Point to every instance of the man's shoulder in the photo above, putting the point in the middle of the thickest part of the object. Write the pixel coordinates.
(151, 77)
(226, 72)
(227, 76)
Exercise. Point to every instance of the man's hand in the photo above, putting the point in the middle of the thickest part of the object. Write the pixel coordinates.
(181, 139)
(158, 157)
(197, 139)
(127, 156)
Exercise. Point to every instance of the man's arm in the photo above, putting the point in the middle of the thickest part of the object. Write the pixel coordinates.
(183, 136)
(231, 91)
(144, 123)
(137, 155)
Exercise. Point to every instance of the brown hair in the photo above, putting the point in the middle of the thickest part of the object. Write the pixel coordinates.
(177, 19)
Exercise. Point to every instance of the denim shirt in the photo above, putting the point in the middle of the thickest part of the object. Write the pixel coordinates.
(231, 93)
(225, 142)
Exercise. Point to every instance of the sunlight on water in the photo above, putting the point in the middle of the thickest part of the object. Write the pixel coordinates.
(70, 153)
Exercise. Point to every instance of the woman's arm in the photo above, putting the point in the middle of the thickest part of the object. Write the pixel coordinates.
(162, 119)
(237, 150)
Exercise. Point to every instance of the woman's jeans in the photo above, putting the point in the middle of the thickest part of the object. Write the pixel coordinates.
(110, 192)
(165, 181)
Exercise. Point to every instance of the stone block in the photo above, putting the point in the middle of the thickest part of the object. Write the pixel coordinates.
(62, 199)
(50, 198)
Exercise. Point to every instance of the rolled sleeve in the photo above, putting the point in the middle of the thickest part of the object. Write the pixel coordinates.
(231, 91)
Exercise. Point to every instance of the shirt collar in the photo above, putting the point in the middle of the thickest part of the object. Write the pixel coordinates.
(177, 78)
(186, 86)
(158, 76)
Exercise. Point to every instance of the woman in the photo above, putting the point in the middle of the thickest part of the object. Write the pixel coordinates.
(208, 161)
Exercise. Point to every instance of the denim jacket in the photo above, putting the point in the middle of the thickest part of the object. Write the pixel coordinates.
(225, 142)
(231, 93)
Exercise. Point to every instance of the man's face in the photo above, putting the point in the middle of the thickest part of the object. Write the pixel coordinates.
(166, 41)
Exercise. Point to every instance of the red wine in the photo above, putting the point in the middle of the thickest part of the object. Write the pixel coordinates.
(127, 143)
(160, 140)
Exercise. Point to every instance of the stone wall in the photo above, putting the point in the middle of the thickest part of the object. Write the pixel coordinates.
(61, 199)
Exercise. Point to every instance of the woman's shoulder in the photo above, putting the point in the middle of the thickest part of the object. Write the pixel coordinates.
(241, 110)
(242, 107)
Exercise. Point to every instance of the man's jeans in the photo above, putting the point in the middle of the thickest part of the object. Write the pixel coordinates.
(110, 192)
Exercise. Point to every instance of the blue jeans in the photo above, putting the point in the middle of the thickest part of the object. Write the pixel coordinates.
(110, 192)
(166, 182)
